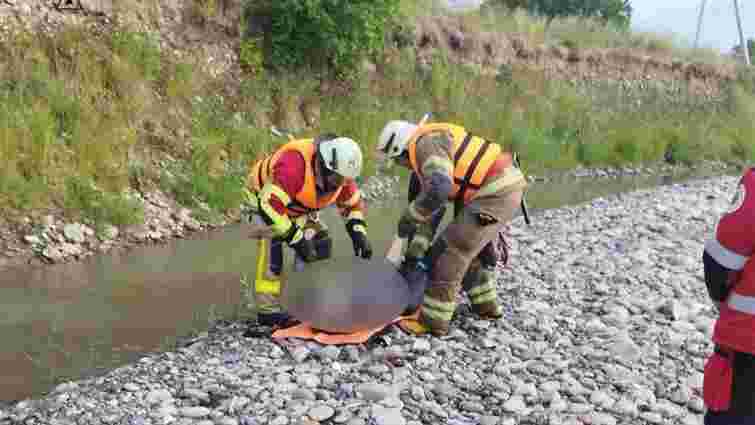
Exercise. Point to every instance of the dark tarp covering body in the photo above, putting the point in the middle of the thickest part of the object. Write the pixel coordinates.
(365, 295)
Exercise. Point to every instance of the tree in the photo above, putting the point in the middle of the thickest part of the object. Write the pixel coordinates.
(617, 12)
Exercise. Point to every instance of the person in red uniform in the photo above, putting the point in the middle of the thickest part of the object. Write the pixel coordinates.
(729, 383)
(287, 189)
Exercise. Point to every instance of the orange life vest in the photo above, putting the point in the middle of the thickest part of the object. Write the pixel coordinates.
(307, 199)
(472, 158)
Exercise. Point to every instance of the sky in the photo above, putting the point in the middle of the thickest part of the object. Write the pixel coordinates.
(679, 17)
(719, 28)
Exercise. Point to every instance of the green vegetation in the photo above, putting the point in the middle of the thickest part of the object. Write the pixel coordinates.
(326, 35)
(85, 117)
(555, 124)
(81, 116)
(615, 12)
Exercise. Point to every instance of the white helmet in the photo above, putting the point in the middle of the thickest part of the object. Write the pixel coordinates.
(394, 137)
(341, 156)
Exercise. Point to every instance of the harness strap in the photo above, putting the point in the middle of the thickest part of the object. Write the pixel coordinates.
(463, 147)
(466, 183)
(298, 207)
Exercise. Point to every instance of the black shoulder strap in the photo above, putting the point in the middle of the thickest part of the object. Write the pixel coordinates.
(465, 182)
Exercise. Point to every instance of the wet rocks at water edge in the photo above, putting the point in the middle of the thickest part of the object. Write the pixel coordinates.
(592, 335)
(54, 239)
(379, 187)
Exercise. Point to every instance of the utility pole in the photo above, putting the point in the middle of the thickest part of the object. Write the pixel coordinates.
(700, 22)
(742, 41)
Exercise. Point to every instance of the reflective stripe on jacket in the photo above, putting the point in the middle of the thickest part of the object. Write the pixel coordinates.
(732, 248)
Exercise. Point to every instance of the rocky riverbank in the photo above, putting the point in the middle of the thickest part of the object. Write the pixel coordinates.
(52, 238)
(607, 322)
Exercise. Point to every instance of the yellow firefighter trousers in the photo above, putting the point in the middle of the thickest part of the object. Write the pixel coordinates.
(268, 284)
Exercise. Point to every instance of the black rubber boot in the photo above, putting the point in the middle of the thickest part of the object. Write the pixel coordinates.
(276, 320)
(267, 323)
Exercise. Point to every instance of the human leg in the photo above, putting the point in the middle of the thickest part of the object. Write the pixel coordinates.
(479, 283)
(475, 227)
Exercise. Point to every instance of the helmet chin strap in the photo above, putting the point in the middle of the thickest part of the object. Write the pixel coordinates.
(322, 180)
(324, 170)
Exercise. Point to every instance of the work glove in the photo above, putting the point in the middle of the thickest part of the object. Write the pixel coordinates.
(413, 269)
(358, 233)
(407, 224)
(305, 248)
(420, 243)
(416, 250)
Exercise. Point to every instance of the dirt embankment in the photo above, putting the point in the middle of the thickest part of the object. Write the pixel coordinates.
(491, 50)
(213, 37)
(189, 29)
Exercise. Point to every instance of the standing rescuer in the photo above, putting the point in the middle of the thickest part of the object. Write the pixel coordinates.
(729, 383)
(486, 188)
(286, 191)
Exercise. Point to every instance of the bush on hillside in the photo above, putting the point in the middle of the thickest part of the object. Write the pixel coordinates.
(333, 35)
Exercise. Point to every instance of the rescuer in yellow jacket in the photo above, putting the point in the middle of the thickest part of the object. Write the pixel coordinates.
(486, 189)
(286, 191)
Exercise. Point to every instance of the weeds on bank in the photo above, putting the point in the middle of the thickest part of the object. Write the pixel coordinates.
(64, 112)
(99, 207)
(552, 124)
(223, 146)
(75, 107)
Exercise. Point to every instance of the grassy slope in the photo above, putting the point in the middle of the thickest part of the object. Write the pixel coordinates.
(82, 118)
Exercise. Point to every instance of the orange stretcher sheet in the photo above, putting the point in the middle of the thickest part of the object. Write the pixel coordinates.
(305, 331)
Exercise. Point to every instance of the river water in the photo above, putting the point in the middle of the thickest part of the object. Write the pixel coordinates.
(68, 321)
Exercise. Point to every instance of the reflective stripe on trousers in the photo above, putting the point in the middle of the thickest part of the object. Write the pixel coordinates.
(482, 293)
(438, 310)
(267, 284)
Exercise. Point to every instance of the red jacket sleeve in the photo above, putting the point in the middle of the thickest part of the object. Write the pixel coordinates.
(350, 202)
(287, 174)
(734, 242)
